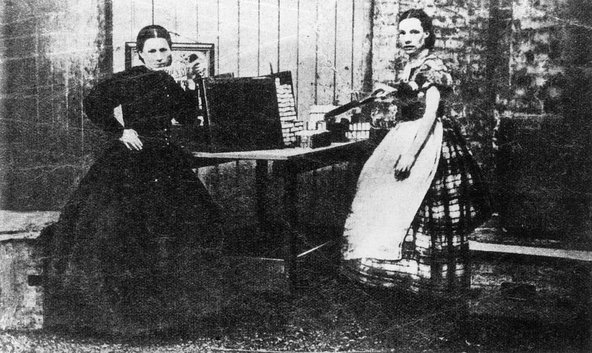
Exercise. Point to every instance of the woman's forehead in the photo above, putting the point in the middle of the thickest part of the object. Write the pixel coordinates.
(155, 43)
(410, 23)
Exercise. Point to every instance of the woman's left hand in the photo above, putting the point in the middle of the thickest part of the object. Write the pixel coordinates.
(403, 166)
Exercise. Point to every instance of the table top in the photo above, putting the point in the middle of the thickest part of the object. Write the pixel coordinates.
(283, 154)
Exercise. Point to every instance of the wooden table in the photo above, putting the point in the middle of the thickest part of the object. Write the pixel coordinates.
(288, 163)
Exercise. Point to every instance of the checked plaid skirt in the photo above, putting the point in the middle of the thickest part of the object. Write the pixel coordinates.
(435, 250)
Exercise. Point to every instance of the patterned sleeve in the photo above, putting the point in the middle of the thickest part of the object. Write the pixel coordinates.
(433, 72)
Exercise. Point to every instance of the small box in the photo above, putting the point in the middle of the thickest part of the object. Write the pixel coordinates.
(338, 130)
(314, 138)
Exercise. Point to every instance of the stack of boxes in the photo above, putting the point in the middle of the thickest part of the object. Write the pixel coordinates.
(316, 120)
(314, 138)
(316, 134)
(287, 109)
(358, 131)
(304, 134)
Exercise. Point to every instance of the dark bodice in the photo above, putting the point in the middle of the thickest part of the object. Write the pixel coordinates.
(149, 100)
(411, 107)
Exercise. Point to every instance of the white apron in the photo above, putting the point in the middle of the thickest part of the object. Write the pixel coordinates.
(384, 207)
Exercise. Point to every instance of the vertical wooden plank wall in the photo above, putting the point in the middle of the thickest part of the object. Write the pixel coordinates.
(344, 49)
(307, 63)
(249, 37)
(319, 41)
(268, 29)
(288, 36)
(228, 33)
(325, 51)
(128, 18)
(208, 25)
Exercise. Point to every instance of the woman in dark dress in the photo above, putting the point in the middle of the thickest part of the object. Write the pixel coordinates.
(420, 193)
(133, 248)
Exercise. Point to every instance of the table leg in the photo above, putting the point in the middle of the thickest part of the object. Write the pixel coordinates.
(260, 187)
(291, 213)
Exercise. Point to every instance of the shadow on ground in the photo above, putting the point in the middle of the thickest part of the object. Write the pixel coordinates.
(327, 313)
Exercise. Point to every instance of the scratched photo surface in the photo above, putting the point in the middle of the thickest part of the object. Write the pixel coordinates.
(520, 95)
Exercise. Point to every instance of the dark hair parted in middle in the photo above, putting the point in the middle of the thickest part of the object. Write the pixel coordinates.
(152, 31)
(426, 24)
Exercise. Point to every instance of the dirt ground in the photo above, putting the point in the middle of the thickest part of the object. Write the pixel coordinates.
(328, 314)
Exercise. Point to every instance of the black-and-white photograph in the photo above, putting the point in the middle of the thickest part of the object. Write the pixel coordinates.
(234, 176)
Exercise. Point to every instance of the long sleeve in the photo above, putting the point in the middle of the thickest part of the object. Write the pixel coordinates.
(100, 102)
(149, 100)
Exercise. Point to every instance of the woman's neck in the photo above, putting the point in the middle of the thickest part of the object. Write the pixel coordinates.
(417, 59)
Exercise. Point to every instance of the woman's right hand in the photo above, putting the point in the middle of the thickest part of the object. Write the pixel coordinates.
(197, 68)
(131, 140)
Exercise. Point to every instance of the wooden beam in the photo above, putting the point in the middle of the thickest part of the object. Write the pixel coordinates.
(578, 255)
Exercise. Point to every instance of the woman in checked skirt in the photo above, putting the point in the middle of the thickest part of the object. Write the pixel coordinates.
(420, 193)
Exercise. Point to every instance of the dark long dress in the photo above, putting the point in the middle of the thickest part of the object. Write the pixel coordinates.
(132, 248)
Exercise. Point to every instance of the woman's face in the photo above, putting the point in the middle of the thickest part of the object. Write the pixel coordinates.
(412, 36)
(156, 53)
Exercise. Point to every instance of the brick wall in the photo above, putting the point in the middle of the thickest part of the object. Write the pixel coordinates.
(522, 65)
(52, 50)
(545, 184)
